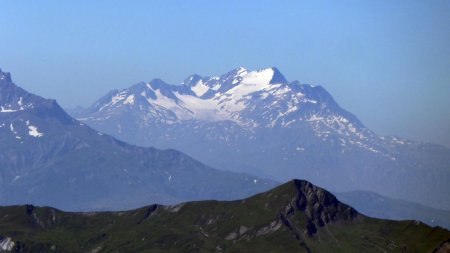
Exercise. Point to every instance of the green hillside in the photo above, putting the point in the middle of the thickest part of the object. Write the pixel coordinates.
(294, 217)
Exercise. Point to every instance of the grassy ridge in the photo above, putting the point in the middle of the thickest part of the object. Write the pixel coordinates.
(294, 217)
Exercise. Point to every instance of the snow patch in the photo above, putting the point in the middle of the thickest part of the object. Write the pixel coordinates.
(174, 208)
(205, 109)
(310, 101)
(6, 244)
(118, 97)
(315, 117)
(200, 88)
(114, 100)
(264, 95)
(33, 131)
(258, 77)
(241, 71)
(2, 109)
(129, 100)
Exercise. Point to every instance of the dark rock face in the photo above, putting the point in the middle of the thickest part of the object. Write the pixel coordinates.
(150, 210)
(320, 205)
(314, 207)
(45, 219)
(30, 209)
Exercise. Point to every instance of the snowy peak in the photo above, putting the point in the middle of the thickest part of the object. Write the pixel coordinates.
(264, 76)
(243, 77)
(207, 87)
(25, 116)
(143, 92)
(249, 98)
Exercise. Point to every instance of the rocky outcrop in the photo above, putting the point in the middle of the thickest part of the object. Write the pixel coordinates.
(313, 207)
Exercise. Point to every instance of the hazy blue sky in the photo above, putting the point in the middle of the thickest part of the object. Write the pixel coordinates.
(388, 62)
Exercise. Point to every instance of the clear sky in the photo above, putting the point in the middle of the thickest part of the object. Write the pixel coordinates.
(386, 61)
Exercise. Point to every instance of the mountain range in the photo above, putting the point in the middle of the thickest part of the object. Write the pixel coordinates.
(378, 206)
(294, 217)
(49, 158)
(259, 123)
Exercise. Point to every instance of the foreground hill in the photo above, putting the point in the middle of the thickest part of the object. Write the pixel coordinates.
(49, 158)
(294, 217)
(260, 123)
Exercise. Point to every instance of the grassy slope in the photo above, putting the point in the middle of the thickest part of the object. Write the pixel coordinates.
(203, 227)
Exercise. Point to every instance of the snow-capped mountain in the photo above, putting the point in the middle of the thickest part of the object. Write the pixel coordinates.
(49, 158)
(260, 123)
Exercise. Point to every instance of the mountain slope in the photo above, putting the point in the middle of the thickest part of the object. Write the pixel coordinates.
(294, 217)
(49, 158)
(377, 206)
(258, 122)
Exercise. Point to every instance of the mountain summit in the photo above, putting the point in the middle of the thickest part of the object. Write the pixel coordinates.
(260, 123)
(14, 98)
(230, 97)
